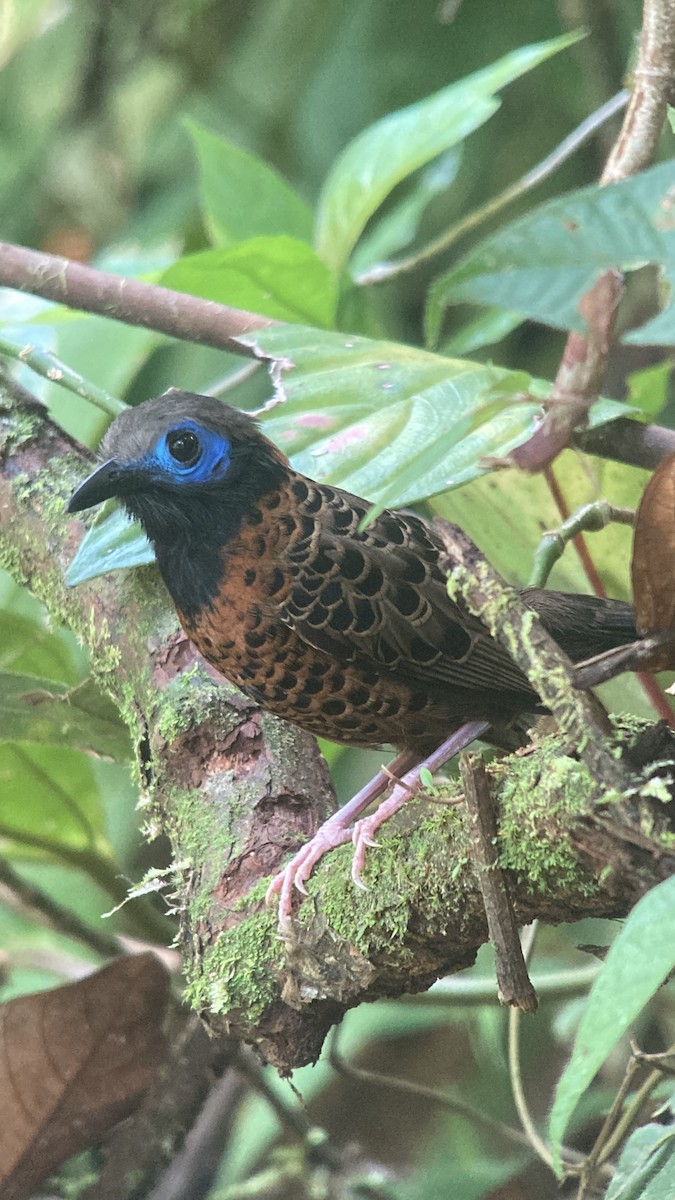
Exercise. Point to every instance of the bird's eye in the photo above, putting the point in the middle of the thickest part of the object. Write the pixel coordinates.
(183, 446)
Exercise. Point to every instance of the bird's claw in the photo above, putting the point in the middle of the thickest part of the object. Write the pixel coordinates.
(296, 873)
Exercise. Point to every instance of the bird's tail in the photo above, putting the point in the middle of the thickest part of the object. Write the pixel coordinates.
(583, 625)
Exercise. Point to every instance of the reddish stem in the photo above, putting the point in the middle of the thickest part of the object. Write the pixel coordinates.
(649, 684)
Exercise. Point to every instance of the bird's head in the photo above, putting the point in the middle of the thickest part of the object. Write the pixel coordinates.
(183, 461)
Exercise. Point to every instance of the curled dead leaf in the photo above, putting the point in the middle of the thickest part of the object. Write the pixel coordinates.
(653, 565)
(73, 1062)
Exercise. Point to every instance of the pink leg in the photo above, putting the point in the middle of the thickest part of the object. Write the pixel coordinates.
(336, 830)
(362, 833)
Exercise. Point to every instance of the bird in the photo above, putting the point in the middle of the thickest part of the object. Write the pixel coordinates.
(340, 625)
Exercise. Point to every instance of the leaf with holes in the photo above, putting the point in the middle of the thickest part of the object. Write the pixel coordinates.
(389, 422)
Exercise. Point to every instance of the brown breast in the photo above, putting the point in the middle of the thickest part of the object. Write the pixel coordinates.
(331, 693)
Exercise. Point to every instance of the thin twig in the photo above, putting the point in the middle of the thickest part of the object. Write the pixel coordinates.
(616, 1124)
(456, 991)
(422, 1091)
(32, 900)
(590, 518)
(513, 980)
(532, 1133)
(580, 715)
(49, 366)
(195, 1167)
(647, 681)
(627, 441)
(291, 1116)
(630, 1115)
(569, 146)
(638, 655)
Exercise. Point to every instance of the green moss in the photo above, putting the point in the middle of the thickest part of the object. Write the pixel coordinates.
(46, 490)
(18, 425)
(397, 873)
(184, 704)
(541, 795)
(199, 835)
(238, 973)
(11, 561)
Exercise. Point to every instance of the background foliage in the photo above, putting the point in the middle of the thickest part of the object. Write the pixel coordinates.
(202, 146)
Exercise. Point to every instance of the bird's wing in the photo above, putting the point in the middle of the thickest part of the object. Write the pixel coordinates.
(379, 596)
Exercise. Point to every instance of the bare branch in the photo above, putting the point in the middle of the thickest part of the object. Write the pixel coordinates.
(122, 299)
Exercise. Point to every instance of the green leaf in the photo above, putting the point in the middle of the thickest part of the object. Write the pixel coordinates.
(484, 330)
(26, 645)
(387, 421)
(638, 961)
(543, 263)
(399, 226)
(648, 389)
(276, 276)
(50, 801)
(646, 1168)
(390, 422)
(39, 710)
(112, 543)
(242, 197)
(402, 142)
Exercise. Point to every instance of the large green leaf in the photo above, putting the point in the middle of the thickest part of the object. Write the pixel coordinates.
(242, 197)
(646, 1169)
(39, 710)
(541, 264)
(50, 801)
(390, 422)
(387, 421)
(639, 959)
(276, 276)
(402, 142)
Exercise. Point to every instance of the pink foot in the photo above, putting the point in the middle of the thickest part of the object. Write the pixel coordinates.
(362, 834)
(332, 833)
(338, 829)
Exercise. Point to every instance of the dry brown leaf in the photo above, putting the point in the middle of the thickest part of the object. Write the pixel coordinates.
(653, 565)
(73, 1062)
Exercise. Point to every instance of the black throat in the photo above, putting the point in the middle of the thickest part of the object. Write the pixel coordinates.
(190, 527)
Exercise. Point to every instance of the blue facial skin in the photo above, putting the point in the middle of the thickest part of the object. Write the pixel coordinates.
(210, 465)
